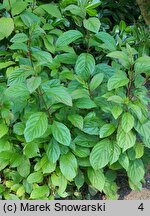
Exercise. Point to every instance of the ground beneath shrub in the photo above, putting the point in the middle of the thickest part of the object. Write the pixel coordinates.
(134, 195)
(142, 195)
(125, 193)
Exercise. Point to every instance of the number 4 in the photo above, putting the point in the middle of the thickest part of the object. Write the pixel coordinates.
(141, 207)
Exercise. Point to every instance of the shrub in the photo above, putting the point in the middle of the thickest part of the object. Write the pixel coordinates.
(73, 105)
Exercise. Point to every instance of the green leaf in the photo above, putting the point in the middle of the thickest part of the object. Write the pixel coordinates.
(85, 66)
(43, 58)
(52, 9)
(19, 46)
(3, 129)
(4, 159)
(58, 180)
(106, 130)
(110, 189)
(33, 83)
(91, 124)
(67, 58)
(68, 166)
(15, 160)
(84, 162)
(111, 175)
(81, 152)
(68, 37)
(139, 150)
(125, 140)
(96, 81)
(28, 187)
(96, 178)
(119, 79)
(11, 196)
(19, 75)
(122, 57)
(107, 70)
(76, 120)
(124, 161)
(7, 4)
(58, 94)
(92, 24)
(116, 152)
(67, 74)
(53, 151)
(85, 103)
(137, 110)
(18, 7)
(79, 93)
(6, 64)
(116, 111)
(93, 4)
(31, 150)
(18, 128)
(131, 153)
(115, 99)
(61, 133)
(21, 191)
(19, 38)
(24, 167)
(47, 166)
(7, 27)
(77, 11)
(136, 170)
(100, 155)
(143, 130)
(79, 179)
(142, 65)
(19, 91)
(35, 177)
(127, 122)
(39, 192)
(137, 186)
(36, 126)
(85, 140)
(5, 145)
(107, 39)
(29, 18)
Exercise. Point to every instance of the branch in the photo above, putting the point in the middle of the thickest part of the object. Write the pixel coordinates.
(130, 82)
(146, 80)
(39, 90)
(144, 6)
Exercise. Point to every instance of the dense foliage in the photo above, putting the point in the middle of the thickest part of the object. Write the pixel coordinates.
(73, 101)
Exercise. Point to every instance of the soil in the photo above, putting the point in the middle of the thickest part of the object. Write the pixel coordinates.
(125, 193)
(134, 195)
